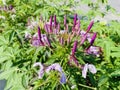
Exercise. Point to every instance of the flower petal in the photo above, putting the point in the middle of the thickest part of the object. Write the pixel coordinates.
(92, 68)
(63, 78)
(41, 71)
(84, 71)
(54, 66)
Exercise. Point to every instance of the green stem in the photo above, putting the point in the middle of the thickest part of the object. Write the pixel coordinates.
(87, 87)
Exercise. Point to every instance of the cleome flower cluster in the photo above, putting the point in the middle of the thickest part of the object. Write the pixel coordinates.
(69, 36)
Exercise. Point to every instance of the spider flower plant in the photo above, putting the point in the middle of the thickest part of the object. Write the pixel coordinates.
(73, 38)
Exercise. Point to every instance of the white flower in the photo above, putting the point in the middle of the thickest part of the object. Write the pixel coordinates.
(41, 71)
(89, 67)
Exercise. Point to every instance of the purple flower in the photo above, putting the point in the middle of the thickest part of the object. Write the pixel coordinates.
(83, 39)
(46, 28)
(10, 7)
(90, 26)
(39, 33)
(45, 39)
(93, 38)
(73, 60)
(43, 42)
(74, 47)
(51, 24)
(27, 35)
(75, 20)
(87, 67)
(55, 67)
(94, 50)
(35, 41)
(55, 21)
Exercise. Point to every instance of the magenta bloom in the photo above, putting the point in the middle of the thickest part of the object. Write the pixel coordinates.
(90, 26)
(55, 21)
(51, 24)
(93, 38)
(89, 67)
(74, 47)
(94, 50)
(75, 20)
(43, 42)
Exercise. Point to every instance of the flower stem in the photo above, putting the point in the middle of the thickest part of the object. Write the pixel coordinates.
(87, 87)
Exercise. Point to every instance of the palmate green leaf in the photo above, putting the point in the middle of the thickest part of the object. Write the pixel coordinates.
(4, 58)
(3, 40)
(103, 87)
(7, 73)
(106, 44)
(115, 49)
(103, 79)
(7, 65)
(115, 73)
(16, 79)
(115, 54)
